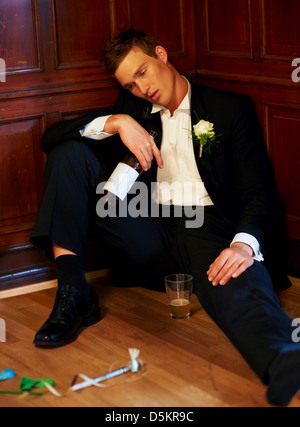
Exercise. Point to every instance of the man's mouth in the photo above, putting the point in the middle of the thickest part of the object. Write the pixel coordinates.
(154, 95)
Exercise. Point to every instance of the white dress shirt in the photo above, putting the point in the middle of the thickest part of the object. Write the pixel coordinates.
(179, 182)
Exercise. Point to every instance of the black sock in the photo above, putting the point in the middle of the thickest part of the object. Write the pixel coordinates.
(70, 271)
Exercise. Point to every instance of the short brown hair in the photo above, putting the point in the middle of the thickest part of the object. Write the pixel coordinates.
(117, 48)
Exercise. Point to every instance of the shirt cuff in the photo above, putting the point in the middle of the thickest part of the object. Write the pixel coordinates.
(94, 130)
(250, 240)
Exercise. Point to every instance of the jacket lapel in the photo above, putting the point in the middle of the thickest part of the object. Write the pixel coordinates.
(208, 165)
(198, 112)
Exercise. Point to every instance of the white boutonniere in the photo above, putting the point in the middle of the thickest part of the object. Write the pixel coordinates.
(203, 133)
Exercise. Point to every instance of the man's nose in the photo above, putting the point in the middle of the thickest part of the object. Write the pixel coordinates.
(143, 86)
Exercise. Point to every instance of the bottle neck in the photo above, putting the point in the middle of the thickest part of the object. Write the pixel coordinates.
(133, 162)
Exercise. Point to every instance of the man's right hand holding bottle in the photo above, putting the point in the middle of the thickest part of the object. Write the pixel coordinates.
(135, 138)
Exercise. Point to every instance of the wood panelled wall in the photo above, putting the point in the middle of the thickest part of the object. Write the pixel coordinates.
(53, 48)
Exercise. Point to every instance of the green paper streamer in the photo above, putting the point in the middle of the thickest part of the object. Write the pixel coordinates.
(29, 383)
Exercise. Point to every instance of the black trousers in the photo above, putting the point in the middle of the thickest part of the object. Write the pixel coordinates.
(145, 249)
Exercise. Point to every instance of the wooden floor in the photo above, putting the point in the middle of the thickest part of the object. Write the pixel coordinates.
(189, 363)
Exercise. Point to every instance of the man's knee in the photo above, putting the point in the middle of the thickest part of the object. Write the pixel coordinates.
(68, 151)
(75, 159)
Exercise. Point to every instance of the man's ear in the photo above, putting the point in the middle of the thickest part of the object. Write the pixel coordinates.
(162, 53)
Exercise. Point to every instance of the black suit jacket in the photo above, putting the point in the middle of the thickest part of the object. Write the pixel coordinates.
(238, 175)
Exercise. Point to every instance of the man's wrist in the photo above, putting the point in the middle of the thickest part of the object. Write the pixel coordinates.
(112, 125)
(244, 247)
(95, 129)
(252, 242)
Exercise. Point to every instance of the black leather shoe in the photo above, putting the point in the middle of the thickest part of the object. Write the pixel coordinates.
(71, 314)
(284, 374)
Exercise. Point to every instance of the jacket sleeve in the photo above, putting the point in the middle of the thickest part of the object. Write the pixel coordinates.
(262, 209)
(253, 174)
(69, 130)
(126, 103)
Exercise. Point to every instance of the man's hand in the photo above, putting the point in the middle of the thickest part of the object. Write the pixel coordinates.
(136, 139)
(230, 264)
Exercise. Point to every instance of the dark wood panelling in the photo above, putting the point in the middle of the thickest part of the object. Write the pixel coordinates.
(70, 37)
(171, 21)
(228, 33)
(62, 42)
(21, 176)
(284, 147)
(21, 48)
(120, 16)
(22, 265)
(276, 20)
(84, 43)
(21, 157)
(71, 75)
(166, 23)
(18, 195)
(255, 40)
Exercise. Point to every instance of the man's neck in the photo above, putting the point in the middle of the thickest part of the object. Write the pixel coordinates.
(180, 91)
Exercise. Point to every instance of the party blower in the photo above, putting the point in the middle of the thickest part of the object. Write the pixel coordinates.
(133, 366)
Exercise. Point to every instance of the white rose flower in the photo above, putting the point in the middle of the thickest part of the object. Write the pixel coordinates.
(203, 127)
(204, 134)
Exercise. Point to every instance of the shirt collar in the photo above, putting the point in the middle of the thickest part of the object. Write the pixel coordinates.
(184, 106)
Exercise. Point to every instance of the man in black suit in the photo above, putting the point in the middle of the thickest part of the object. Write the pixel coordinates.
(240, 202)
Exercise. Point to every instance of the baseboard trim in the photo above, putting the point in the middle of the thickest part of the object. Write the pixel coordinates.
(37, 287)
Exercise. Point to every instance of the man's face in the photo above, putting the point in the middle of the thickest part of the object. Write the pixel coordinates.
(146, 77)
